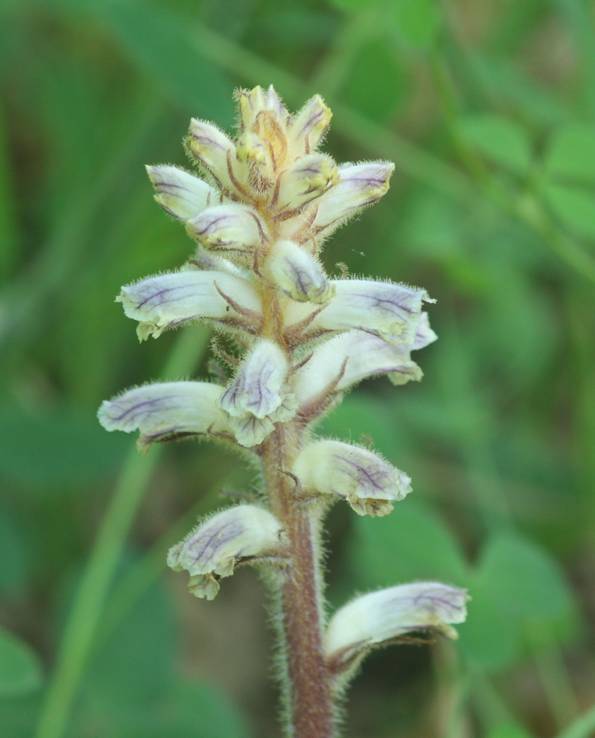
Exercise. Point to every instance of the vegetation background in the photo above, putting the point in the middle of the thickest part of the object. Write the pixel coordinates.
(488, 109)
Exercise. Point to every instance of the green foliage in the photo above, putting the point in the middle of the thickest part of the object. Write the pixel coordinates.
(508, 731)
(500, 140)
(70, 449)
(518, 592)
(417, 22)
(413, 543)
(20, 670)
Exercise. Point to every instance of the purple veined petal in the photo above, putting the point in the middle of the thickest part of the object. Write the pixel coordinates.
(359, 186)
(347, 359)
(258, 100)
(306, 179)
(424, 335)
(213, 549)
(215, 152)
(232, 228)
(168, 300)
(392, 310)
(165, 410)
(255, 165)
(367, 481)
(297, 273)
(378, 617)
(179, 193)
(257, 396)
(309, 125)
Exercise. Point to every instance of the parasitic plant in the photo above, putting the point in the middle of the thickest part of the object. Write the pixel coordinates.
(295, 341)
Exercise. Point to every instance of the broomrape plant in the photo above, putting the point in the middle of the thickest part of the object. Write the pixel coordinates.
(259, 214)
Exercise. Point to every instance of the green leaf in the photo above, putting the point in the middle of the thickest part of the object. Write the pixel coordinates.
(508, 731)
(499, 139)
(13, 555)
(20, 670)
(162, 45)
(571, 153)
(69, 447)
(411, 543)
(573, 206)
(518, 589)
(133, 666)
(367, 89)
(417, 21)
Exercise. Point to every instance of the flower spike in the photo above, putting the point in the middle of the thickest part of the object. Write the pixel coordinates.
(259, 211)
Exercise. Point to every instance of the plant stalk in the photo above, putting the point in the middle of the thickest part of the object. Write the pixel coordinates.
(306, 687)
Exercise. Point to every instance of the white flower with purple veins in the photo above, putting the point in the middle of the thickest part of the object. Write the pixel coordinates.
(232, 228)
(257, 396)
(241, 534)
(367, 481)
(394, 311)
(179, 193)
(347, 359)
(169, 300)
(308, 178)
(298, 275)
(380, 617)
(259, 209)
(167, 410)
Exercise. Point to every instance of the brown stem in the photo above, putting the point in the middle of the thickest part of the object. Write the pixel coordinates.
(307, 693)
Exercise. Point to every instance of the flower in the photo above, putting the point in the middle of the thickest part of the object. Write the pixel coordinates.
(230, 227)
(298, 274)
(239, 534)
(347, 359)
(168, 300)
(393, 311)
(257, 396)
(179, 193)
(379, 617)
(166, 410)
(367, 481)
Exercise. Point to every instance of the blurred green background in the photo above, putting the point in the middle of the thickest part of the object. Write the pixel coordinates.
(488, 110)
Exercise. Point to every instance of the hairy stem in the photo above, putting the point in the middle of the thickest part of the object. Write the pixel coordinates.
(307, 693)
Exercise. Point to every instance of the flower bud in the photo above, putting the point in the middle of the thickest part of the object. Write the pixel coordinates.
(308, 127)
(255, 165)
(359, 185)
(255, 101)
(256, 398)
(216, 153)
(347, 359)
(297, 273)
(168, 300)
(308, 178)
(179, 193)
(166, 410)
(392, 310)
(367, 481)
(210, 262)
(379, 617)
(231, 227)
(245, 533)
